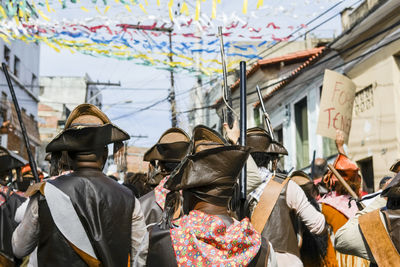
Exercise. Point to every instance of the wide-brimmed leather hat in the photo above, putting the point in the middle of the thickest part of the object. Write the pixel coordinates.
(258, 139)
(9, 160)
(172, 146)
(87, 129)
(395, 166)
(300, 177)
(392, 190)
(211, 169)
(277, 148)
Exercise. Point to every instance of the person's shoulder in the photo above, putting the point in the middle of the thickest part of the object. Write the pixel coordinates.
(150, 196)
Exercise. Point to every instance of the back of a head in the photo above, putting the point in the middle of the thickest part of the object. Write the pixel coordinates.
(87, 133)
(320, 167)
(208, 174)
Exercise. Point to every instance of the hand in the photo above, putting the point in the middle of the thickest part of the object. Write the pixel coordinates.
(340, 141)
(232, 134)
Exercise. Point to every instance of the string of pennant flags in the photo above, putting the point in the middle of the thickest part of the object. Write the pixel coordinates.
(136, 38)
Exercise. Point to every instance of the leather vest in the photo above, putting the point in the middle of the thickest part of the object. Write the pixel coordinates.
(105, 209)
(279, 229)
(161, 252)
(151, 211)
(7, 223)
(392, 218)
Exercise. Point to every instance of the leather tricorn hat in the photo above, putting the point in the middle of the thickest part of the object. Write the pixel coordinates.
(9, 160)
(258, 139)
(396, 166)
(87, 129)
(204, 138)
(300, 177)
(210, 174)
(172, 146)
(277, 148)
(393, 188)
(211, 169)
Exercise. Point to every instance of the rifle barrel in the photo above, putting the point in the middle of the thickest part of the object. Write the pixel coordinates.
(266, 117)
(32, 162)
(227, 91)
(243, 127)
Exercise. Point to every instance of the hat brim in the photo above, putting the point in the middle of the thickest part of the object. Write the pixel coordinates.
(172, 152)
(277, 148)
(9, 160)
(393, 188)
(87, 139)
(86, 109)
(215, 166)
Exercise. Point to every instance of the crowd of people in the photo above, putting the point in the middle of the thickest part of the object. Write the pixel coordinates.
(187, 210)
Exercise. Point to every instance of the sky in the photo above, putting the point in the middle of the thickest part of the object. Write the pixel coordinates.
(144, 85)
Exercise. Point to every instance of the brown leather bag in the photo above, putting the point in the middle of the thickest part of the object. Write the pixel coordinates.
(378, 239)
(266, 203)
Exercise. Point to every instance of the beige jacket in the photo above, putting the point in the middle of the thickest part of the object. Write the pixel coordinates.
(349, 239)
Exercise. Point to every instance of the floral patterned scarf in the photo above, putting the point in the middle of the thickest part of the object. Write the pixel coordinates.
(161, 192)
(204, 240)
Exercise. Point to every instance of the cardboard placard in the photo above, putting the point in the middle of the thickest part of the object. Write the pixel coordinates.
(336, 107)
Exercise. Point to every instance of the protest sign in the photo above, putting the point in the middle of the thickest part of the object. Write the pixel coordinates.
(336, 106)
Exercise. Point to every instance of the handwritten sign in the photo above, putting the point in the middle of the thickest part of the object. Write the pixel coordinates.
(336, 107)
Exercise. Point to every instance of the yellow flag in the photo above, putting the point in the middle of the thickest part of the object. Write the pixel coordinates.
(184, 9)
(245, 6)
(84, 9)
(128, 8)
(197, 12)
(97, 9)
(260, 3)
(3, 12)
(158, 3)
(170, 4)
(106, 9)
(142, 8)
(214, 9)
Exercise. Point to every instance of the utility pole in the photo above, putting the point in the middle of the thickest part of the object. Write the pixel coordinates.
(88, 83)
(171, 95)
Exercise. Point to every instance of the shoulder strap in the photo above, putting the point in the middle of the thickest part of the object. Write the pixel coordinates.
(67, 221)
(378, 239)
(266, 203)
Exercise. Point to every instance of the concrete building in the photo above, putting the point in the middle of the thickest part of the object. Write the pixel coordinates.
(209, 94)
(58, 97)
(367, 52)
(23, 65)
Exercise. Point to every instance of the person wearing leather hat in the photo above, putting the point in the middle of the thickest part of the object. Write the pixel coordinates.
(164, 156)
(206, 235)
(273, 204)
(374, 232)
(10, 200)
(82, 218)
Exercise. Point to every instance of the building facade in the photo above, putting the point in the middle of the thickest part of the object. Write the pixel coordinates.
(368, 53)
(23, 66)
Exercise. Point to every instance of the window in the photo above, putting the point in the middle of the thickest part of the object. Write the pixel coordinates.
(278, 134)
(301, 121)
(7, 55)
(3, 109)
(17, 66)
(328, 147)
(257, 117)
(364, 100)
(33, 82)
